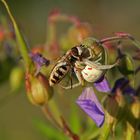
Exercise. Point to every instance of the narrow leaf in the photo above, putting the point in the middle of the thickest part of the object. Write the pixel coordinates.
(20, 40)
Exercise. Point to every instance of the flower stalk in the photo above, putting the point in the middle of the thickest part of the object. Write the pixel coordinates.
(61, 125)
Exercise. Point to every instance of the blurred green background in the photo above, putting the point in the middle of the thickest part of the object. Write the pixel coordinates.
(105, 16)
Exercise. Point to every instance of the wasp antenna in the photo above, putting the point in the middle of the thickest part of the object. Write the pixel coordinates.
(120, 54)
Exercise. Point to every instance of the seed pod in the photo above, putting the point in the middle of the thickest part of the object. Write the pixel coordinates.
(38, 89)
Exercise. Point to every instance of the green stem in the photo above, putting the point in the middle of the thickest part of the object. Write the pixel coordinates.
(21, 43)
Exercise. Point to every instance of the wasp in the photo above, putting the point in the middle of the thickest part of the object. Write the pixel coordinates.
(65, 63)
(88, 60)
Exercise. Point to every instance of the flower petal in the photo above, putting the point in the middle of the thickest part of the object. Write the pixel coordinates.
(124, 85)
(103, 86)
(89, 103)
(39, 59)
(119, 83)
(129, 90)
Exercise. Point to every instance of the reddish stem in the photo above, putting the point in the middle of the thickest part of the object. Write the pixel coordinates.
(68, 131)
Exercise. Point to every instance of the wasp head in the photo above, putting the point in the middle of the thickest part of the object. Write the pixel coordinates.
(76, 52)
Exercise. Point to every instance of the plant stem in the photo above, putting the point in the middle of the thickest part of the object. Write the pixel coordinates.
(68, 131)
(51, 32)
(51, 117)
(114, 38)
(63, 127)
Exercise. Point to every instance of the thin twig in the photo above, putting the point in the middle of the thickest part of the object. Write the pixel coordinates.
(68, 131)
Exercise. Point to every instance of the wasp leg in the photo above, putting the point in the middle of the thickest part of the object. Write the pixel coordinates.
(71, 77)
(99, 66)
(100, 57)
(79, 65)
(79, 77)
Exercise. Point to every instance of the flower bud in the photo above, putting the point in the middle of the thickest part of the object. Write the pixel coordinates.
(1, 35)
(16, 78)
(38, 89)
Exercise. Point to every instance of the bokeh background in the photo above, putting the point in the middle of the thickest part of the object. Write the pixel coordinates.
(105, 16)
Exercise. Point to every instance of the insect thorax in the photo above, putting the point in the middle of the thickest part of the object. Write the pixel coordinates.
(98, 53)
(96, 50)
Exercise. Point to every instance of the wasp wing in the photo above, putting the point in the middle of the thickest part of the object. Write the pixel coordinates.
(69, 80)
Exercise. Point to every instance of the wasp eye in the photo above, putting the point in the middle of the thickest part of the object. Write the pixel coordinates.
(85, 53)
(82, 45)
(74, 51)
